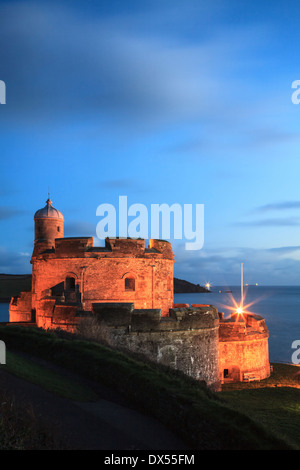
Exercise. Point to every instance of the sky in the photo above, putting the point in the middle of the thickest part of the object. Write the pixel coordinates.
(185, 102)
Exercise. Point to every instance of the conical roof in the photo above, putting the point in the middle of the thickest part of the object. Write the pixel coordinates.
(48, 212)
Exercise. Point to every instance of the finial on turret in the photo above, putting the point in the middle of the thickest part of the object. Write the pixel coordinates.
(49, 202)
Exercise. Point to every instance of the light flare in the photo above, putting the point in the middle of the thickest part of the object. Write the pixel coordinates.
(242, 308)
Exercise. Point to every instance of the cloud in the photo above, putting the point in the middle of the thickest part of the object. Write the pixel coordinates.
(270, 136)
(272, 222)
(285, 249)
(68, 64)
(279, 206)
(7, 212)
(269, 266)
(12, 262)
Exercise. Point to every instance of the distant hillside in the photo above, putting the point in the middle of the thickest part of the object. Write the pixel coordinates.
(13, 284)
(186, 287)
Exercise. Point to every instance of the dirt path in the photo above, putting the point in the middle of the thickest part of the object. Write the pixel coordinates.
(107, 424)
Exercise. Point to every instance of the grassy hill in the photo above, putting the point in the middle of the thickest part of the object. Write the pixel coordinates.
(13, 284)
(204, 420)
(185, 287)
(274, 402)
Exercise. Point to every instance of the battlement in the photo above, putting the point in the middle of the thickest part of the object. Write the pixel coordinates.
(186, 339)
(131, 246)
(83, 247)
(243, 327)
(162, 246)
(179, 319)
(73, 245)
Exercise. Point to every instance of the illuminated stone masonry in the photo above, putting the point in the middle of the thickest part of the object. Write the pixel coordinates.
(127, 289)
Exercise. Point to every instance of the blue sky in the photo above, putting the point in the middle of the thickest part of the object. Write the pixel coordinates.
(165, 102)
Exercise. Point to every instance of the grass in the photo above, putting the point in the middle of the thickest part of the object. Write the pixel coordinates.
(277, 409)
(204, 420)
(20, 428)
(50, 380)
(273, 402)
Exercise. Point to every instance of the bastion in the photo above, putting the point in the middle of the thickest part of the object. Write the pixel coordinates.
(243, 348)
(186, 339)
(127, 290)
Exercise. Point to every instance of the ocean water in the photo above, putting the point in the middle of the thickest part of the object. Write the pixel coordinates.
(4, 312)
(280, 306)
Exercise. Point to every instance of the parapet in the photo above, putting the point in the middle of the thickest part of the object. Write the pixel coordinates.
(130, 246)
(135, 247)
(179, 319)
(72, 246)
(243, 327)
(196, 317)
(113, 314)
(162, 246)
(186, 340)
(257, 323)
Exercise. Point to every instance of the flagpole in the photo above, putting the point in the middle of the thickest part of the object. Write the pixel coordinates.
(242, 285)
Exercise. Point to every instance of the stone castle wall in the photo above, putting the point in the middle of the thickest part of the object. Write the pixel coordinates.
(45, 233)
(100, 274)
(20, 308)
(126, 291)
(243, 348)
(187, 340)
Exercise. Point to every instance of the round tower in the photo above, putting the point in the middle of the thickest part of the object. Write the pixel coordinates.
(48, 225)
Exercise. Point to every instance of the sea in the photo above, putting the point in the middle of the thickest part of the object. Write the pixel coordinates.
(279, 305)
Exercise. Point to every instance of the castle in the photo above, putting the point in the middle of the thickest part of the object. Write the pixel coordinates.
(128, 288)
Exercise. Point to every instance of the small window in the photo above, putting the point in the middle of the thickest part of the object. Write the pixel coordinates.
(129, 284)
(70, 283)
(58, 229)
(226, 373)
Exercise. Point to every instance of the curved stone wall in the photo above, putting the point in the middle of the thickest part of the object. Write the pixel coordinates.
(243, 349)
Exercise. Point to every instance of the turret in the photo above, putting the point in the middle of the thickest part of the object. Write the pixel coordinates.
(48, 225)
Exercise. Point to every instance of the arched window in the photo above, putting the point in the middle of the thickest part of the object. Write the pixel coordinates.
(129, 283)
(70, 283)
